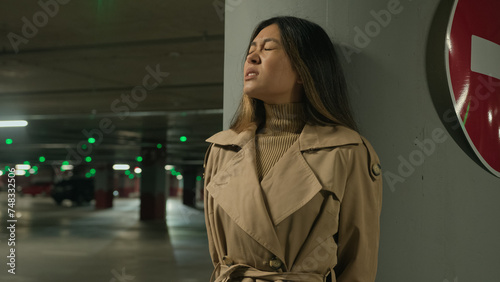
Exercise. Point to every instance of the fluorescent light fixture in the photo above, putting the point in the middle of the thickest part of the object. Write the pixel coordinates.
(1, 172)
(179, 177)
(13, 123)
(169, 167)
(20, 172)
(137, 170)
(121, 166)
(67, 167)
(22, 167)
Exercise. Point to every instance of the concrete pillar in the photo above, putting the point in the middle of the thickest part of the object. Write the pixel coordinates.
(153, 184)
(189, 191)
(103, 187)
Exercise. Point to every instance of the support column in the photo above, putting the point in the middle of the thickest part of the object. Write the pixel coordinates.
(199, 187)
(103, 187)
(153, 184)
(189, 191)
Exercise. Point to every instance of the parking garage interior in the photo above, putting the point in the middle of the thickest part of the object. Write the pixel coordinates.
(106, 105)
(117, 99)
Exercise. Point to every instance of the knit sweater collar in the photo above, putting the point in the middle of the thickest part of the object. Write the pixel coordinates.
(284, 118)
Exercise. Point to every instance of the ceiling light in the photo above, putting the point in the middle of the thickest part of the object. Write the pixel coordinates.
(121, 166)
(23, 166)
(13, 123)
(67, 167)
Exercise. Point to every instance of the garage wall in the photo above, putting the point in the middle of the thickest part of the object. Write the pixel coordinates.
(440, 210)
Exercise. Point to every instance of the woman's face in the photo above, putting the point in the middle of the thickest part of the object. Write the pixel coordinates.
(268, 73)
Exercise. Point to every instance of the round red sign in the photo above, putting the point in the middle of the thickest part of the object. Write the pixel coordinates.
(473, 69)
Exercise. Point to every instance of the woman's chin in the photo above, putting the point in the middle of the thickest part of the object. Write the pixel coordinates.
(258, 97)
(250, 93)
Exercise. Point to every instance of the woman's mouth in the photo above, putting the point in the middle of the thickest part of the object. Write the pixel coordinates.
(251, 75)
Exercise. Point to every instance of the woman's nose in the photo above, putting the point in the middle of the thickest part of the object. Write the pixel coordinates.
(253, 58)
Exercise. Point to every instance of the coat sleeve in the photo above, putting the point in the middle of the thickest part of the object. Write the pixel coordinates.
(207, 175)
(359, 218)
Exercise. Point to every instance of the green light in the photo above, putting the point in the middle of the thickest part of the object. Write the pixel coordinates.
(183, 138)
(84, 146)
(466, 113)
(41, 159)
(7, 167)
(88, 175)
(127, 172)
(8, 141)
(159, 146)
(88, 159)
(92, 171)
(62, 169)
(99, 5)
(26, 162)
(35, 168)
(91, 140)
(65, 163)
(198, 178)
(131, 176)
(27, 174)
(139, 159)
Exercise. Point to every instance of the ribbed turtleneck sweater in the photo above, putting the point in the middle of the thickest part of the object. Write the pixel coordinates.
(282, 127)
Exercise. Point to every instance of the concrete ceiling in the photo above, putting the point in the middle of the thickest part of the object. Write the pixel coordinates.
(84, 66)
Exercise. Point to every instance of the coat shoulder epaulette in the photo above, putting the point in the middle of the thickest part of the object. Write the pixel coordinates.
(373, 160)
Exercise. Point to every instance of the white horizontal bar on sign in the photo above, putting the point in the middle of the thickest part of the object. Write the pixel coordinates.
(485, 57)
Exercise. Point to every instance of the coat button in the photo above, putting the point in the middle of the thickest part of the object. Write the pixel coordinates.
(227, 260)
(275, 263)
(376, 169)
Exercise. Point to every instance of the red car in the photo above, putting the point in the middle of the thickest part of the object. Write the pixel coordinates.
(43, 188)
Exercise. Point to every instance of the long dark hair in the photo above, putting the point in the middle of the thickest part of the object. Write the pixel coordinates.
(313, 56)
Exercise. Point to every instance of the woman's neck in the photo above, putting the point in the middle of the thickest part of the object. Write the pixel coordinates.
(284, 118)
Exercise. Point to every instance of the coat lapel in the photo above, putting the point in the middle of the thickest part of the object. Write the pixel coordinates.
(289, 185)
(237, 190)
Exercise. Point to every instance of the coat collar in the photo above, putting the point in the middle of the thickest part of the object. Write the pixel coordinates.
(258, 207)
(312, 137)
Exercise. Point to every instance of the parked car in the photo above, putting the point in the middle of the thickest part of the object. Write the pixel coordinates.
(78, 190)
(37, 188)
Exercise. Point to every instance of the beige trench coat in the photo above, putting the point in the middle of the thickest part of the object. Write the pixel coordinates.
(316, 211)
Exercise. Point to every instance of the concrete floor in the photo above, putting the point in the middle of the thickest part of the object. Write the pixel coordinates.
(64, 243)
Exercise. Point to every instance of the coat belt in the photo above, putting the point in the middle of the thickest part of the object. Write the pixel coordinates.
(241, 271)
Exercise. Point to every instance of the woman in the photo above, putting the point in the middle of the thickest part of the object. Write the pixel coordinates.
(292, 191)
